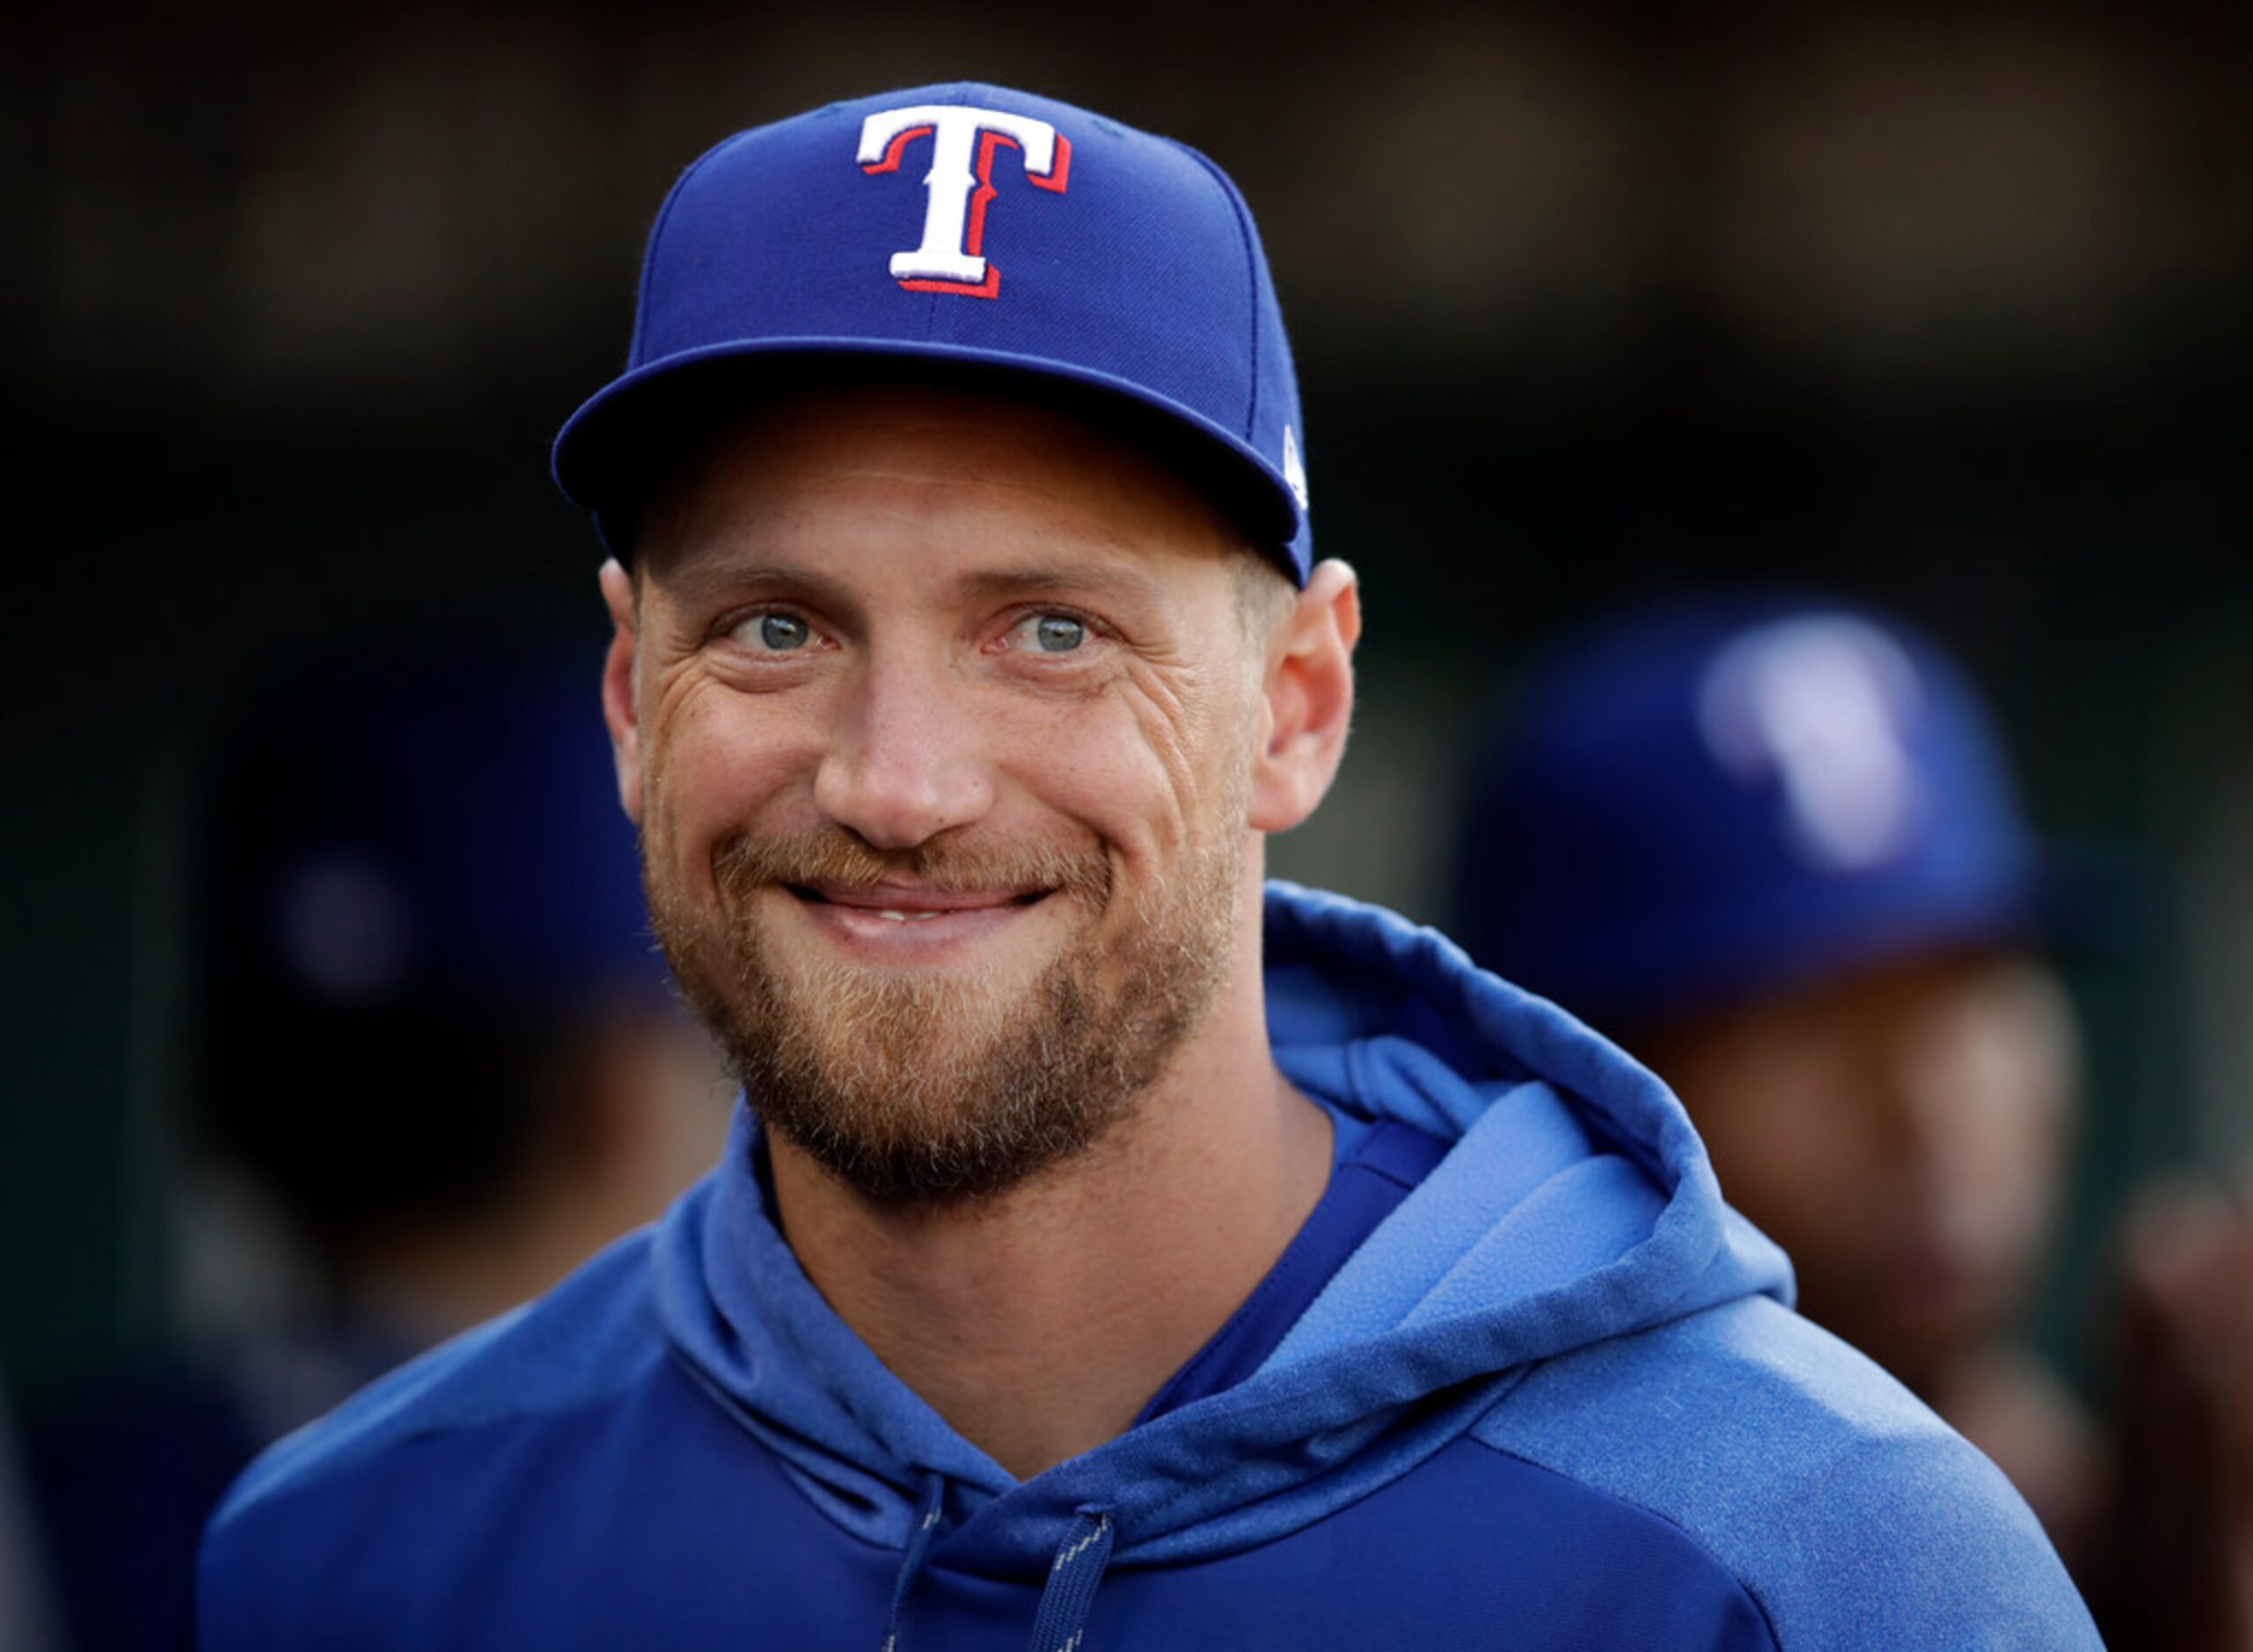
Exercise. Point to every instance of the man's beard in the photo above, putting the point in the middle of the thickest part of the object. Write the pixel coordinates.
(916, 1085)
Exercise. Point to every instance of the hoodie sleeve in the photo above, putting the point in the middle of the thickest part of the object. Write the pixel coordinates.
(1854, 1516)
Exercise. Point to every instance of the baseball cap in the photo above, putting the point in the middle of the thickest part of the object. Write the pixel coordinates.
(1692, 802)
(411, 818)
(974, 231)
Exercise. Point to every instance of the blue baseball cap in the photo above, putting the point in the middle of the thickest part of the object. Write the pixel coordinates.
(1695, 802)
(975, 231)
(417, 819)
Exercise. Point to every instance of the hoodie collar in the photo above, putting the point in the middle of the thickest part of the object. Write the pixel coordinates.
(1575, 1204)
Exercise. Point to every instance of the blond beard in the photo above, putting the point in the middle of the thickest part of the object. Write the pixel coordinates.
(945, 1086)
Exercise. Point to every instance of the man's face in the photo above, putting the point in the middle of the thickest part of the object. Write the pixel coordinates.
(944, 708)
(1900, 1131)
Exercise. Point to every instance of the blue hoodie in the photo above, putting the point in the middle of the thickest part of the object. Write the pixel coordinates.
(1557, 1402)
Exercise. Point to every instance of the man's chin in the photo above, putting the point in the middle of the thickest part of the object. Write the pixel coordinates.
(948, 1057)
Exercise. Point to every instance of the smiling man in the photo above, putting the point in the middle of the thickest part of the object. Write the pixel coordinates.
(1113, 1250)
(981, 879)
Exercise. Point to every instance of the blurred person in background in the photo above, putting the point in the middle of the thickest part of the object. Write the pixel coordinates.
(431, 1035)
(422, 939)
(1772, 845)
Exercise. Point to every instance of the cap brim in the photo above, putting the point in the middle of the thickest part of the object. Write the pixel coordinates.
(627, 439)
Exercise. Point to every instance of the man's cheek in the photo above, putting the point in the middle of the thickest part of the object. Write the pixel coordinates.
(692, 801)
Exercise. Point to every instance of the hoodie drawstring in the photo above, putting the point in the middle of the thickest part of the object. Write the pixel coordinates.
(1073, 1578)
(911, 1558)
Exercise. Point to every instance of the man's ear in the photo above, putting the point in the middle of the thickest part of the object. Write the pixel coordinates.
(1308, 693)
(617, 687)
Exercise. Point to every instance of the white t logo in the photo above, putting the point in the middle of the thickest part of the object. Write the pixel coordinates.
(950, 259)
(1821, 702)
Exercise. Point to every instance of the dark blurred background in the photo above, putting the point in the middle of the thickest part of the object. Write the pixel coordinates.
(1941, 305)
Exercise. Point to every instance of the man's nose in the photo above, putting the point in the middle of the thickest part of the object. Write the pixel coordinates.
(907, 759)
(1921, 1097)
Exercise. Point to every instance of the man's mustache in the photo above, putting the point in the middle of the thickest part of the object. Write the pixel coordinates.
(831, 856)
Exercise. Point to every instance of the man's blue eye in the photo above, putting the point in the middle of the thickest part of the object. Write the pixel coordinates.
(1057, 634)
(784, 631)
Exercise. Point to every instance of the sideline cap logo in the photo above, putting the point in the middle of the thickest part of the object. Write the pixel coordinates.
(1040, 245)
(1828, 706)
(1692, 801)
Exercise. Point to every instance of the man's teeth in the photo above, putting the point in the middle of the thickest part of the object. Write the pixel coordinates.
(898, 917)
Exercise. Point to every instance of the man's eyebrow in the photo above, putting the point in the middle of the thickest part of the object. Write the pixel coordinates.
(703, 584)
(1100, 579)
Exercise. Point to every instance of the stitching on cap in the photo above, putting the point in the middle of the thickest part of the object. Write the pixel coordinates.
(1251, 269)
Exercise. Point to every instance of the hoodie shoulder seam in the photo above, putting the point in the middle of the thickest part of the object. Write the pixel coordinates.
(475, 1381)
(326, 1461)
(1744, 1585)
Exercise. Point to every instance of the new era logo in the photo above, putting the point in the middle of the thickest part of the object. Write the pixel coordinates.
(959, 188)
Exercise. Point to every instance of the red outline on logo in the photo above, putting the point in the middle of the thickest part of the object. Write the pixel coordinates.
(1054, 179)
(898, 150)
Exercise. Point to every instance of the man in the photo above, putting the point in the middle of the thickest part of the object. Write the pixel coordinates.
(412, 880)
(411, 896)
(1770, 843)
(1113, 1253)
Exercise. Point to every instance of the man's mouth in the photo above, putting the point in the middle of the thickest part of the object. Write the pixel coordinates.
(910, 903)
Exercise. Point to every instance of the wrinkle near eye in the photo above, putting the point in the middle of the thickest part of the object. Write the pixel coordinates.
(1174, 716)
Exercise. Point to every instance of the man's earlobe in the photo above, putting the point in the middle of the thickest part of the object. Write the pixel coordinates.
(1309, 700)
(618, 710)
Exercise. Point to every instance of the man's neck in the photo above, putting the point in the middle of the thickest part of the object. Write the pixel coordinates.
(1040, 1321)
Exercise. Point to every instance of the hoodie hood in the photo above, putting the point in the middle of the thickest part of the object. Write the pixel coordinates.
(1575, 1204)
